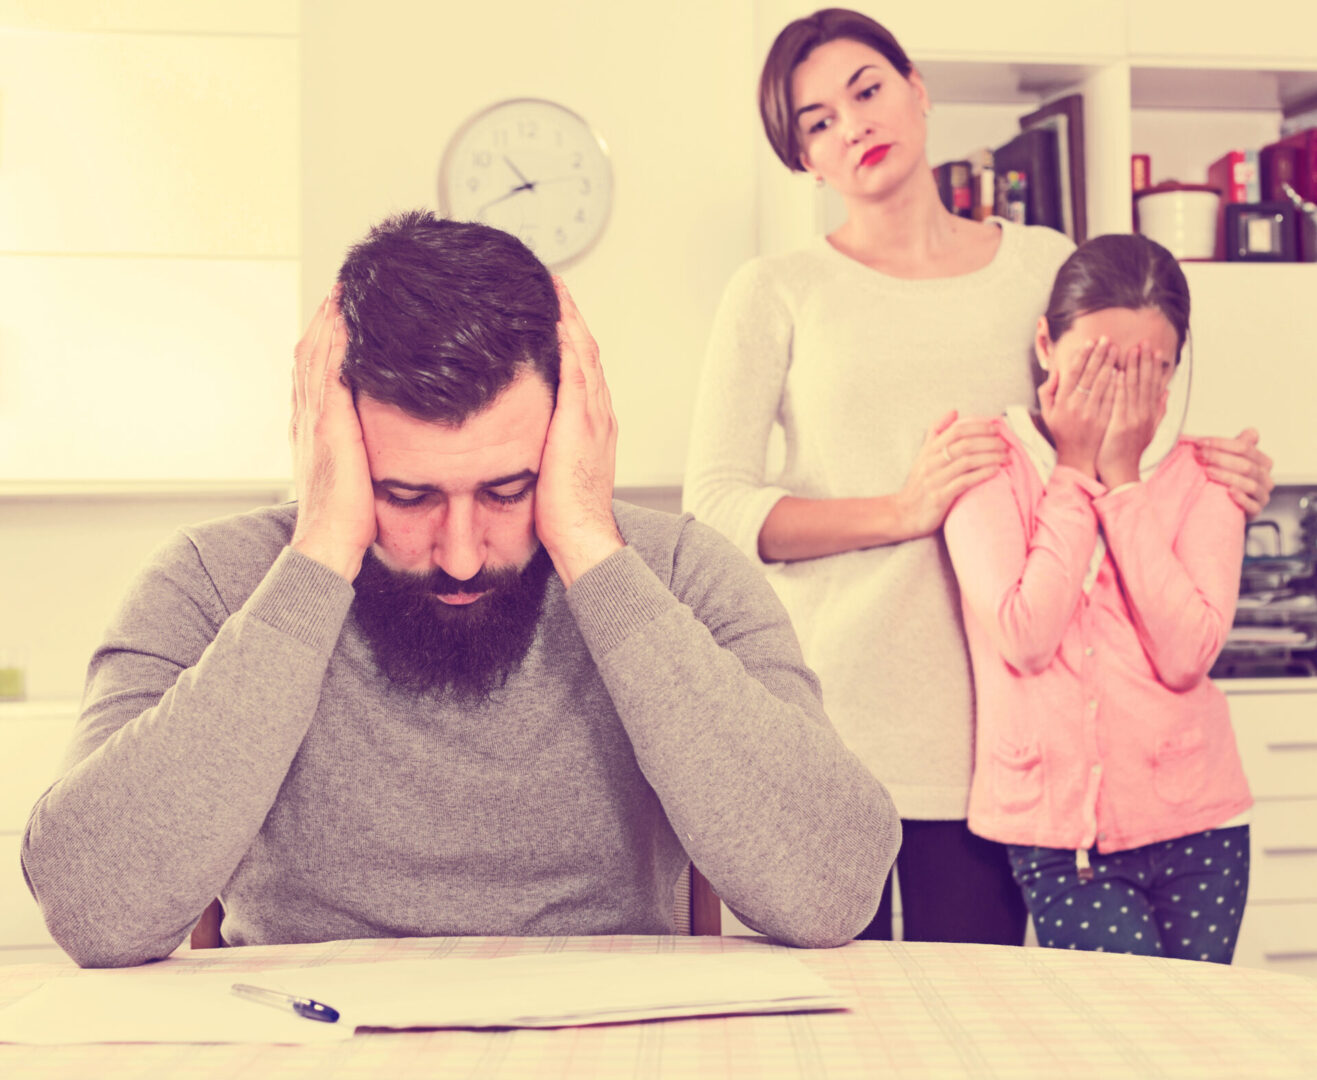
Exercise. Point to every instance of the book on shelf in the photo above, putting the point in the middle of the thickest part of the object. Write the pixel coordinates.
(1033, 155)
(1291, 160)
(1140, 180)
(953, 186)
(1235, 174)
(1289, 174)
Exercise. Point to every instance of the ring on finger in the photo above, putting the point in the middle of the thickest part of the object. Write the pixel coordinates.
(1084, 389)
(946, 452)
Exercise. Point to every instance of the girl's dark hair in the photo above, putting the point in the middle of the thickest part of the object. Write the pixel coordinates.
(796, 41)
(1119, 271)
(443, 315)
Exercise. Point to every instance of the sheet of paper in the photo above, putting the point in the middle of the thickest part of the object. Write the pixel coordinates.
(172, 1004)
(560, 989)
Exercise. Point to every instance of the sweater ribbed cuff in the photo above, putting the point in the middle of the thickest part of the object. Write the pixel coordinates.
(303, 599)
(614, 599)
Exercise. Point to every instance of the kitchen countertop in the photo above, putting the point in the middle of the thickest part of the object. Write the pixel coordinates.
(1266, 685)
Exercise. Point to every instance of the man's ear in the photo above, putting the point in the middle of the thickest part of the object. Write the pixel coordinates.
(1042, 344)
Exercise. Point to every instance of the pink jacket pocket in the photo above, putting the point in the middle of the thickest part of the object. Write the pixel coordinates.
(1180, 770)
(1017, 775)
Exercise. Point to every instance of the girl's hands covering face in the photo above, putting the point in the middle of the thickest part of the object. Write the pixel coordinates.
(1139, 403)
(1077, 398)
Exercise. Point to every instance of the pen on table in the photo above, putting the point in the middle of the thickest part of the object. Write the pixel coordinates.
(312, 1010)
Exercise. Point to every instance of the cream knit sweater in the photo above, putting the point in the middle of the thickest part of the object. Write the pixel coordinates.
(854, 366)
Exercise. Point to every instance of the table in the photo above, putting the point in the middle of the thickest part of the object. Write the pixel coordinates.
(919, 1010)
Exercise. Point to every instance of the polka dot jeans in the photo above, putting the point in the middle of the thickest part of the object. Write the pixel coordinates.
(1181, 898)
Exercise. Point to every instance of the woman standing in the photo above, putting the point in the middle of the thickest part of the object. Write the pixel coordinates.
(858, 346)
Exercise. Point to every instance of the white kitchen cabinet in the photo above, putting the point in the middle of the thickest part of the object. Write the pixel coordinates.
(146, 144)
(33, 738)
(150, 238)
(1275, 722)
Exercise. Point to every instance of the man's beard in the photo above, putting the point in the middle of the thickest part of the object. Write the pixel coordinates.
(422, 644)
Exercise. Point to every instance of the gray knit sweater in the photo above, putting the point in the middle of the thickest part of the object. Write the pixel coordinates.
(238, 740)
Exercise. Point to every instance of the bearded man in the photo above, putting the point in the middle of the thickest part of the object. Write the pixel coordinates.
(454, 688)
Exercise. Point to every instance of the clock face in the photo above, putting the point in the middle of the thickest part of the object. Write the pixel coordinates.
(534, 169)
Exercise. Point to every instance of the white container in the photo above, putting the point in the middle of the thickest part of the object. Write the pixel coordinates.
(1180, 217)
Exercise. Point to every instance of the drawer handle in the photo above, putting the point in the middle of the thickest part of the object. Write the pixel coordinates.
(1295, 954)
(1292, 746)
(1291, 849)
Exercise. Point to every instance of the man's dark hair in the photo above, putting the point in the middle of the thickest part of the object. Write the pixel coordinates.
(443, 315)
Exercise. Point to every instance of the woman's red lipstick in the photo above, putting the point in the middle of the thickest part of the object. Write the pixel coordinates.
(875, 154)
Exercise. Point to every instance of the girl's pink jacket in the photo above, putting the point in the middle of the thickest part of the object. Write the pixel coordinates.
(1096, 720)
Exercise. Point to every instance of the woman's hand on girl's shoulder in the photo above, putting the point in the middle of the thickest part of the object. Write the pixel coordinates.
(1240, 466)
(956, 455)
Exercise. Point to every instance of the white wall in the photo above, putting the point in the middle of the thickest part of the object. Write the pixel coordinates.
(150, 250)
(671, 89)
(149, 237)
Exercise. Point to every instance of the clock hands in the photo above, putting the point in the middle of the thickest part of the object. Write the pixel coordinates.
(560, 179)
(480, 210)
(526, 185)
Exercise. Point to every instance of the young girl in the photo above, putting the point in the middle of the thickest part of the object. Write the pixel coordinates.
(1097, 589)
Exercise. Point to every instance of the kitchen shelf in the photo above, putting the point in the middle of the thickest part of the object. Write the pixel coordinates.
(1014, 81)
(1279, 685)
(1244, 87)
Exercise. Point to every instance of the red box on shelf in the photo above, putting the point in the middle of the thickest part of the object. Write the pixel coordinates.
(1140, 172)
(1235, 173)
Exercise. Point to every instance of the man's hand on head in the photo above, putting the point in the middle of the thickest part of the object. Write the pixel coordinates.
(574, 493)
(335, 502)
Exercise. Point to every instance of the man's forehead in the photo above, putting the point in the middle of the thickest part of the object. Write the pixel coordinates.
(450, 486)
(488, 448)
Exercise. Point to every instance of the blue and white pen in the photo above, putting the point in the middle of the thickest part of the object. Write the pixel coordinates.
(312, 1010)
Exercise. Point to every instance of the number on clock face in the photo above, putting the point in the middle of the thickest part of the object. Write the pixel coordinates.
(534, 169)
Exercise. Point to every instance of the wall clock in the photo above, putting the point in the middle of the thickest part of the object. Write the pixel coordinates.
(532, 168)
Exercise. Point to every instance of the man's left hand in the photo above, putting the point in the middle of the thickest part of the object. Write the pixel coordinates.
(574, 493)
(1241, 467)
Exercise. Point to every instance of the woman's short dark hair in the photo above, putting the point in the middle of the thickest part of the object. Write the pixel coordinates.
(796, 41)
(1119, 270)
(443, 315)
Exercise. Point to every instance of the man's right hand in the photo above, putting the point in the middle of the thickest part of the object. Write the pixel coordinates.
(335, 501)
